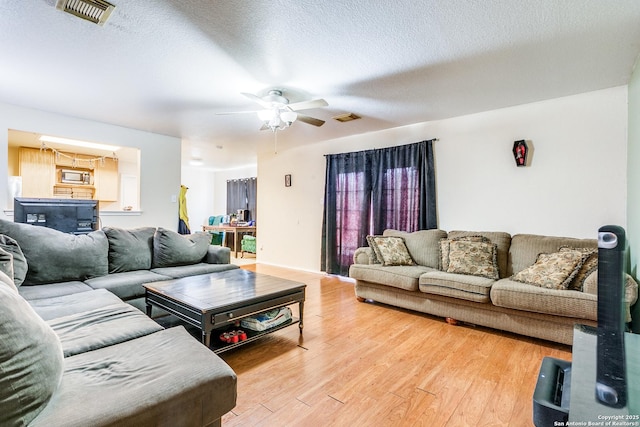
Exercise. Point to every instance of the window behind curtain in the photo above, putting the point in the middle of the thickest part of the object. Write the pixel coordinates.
(401, 189)
(242, 194)
(351, 195)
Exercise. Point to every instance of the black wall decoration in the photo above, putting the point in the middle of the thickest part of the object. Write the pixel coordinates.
(520, 151)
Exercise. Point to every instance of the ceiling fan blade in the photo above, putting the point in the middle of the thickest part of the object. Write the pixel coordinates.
(305, 105)
(310, 120)
(256, 98)
(235, 112)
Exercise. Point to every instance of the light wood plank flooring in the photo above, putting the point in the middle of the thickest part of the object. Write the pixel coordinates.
(363, 364)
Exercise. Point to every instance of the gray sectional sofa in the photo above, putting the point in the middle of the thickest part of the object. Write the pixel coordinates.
(76, 348)
(490, 288)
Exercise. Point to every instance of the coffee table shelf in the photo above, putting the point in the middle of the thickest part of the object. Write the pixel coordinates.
(220, 347)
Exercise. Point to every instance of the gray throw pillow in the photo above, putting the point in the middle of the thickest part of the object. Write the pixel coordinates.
(6, 268)
(172, 249)
(54, 256)
(130, 250)
(20, 266)
(31, 360)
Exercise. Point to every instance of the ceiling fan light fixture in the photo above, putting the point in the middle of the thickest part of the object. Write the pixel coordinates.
(288, 117)
(265, 115)
(277, 119)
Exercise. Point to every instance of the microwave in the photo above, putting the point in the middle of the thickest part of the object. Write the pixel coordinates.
(75, 177)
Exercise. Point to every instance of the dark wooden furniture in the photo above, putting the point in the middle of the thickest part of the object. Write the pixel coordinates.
(219, 300)
(236, 230)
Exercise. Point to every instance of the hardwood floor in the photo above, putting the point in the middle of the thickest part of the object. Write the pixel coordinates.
(368, 364)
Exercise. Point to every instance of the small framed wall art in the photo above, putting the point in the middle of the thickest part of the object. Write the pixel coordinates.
(287, 180)
(520, 151)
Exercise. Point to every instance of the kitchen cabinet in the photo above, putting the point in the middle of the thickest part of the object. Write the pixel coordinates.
(71, 160)
(105, 177)
(38, 172)
(41, 175)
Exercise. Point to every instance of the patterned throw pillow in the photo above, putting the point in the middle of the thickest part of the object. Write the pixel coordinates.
(391, 250)
(552, 271)
(474, 258)
(589, 264)
(445, 245)
(372, 245)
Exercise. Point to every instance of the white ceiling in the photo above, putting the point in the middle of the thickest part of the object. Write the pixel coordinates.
(168, 66)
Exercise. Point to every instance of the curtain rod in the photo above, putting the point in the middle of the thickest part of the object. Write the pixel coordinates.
(242, 179)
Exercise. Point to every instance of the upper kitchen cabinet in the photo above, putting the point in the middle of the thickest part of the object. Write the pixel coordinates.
(38, 172)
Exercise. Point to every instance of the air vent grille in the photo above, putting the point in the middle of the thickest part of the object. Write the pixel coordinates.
(96, 11)
(346, 117)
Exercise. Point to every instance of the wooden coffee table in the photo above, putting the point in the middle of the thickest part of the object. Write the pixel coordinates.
(219, 300)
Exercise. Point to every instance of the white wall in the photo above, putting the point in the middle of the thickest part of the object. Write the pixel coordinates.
(200, 196)
(159, 161)
(575, 184)
(207, 193)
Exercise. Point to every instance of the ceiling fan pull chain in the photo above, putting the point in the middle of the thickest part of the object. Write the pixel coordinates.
(275, 141)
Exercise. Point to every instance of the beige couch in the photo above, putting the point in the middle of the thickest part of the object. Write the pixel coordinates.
(499, 303)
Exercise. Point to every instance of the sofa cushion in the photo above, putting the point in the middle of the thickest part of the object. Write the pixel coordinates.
(172, 249)
(474, 258)
(390, 250)
(141, 382)
(402, 277)
(500, 238)
(65, 305)
(31, 361)
(130, 249)
(192, 269)
(552, 271)
(525, 248)
(461, 286)
(445, 247)
(422, 244)
(20, 266)
(521, 296)
(126, 285)
(54, 256)
(589, 264)
(52, 290)
(101, 327)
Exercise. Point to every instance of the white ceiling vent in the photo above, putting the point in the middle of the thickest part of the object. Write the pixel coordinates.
(96, 11)
(347, 117)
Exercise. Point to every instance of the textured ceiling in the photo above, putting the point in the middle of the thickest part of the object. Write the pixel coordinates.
(167, 66)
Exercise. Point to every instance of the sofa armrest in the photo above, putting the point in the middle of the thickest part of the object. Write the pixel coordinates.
(363, 255)
(630, 290)
(218, 255)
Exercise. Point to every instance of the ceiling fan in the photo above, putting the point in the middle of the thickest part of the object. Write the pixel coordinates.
(278, 113)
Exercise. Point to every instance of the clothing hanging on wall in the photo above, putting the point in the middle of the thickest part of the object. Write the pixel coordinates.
(183, 222)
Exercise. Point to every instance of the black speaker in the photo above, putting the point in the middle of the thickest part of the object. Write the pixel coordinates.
(611, 389)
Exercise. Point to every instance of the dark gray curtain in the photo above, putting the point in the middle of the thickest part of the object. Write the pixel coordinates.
(404, 188)
(347, 209)
(242, 194)
(369, 191)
